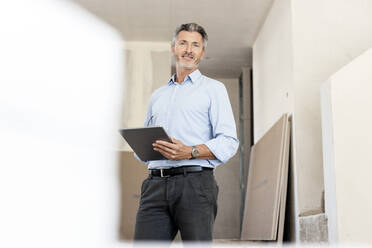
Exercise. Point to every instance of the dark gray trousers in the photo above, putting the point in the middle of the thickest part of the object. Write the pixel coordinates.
(187, 203)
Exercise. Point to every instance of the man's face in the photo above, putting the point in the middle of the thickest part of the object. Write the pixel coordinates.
(188, 49)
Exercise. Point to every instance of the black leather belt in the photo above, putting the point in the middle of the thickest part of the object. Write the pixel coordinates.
(177, 171)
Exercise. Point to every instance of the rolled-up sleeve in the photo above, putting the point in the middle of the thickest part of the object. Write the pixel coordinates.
(224, 143)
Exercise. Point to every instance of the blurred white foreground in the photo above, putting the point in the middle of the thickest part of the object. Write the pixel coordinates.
(60, 101)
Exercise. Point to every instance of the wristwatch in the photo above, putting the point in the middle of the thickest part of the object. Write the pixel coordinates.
(194, 152)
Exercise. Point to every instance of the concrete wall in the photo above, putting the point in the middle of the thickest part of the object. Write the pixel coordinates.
(347, 139)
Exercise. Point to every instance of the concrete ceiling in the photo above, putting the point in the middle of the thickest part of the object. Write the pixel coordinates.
(232, 26)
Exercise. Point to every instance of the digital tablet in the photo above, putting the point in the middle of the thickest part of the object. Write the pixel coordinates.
(141, 139)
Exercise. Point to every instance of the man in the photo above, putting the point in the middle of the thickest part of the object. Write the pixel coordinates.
(181, 192)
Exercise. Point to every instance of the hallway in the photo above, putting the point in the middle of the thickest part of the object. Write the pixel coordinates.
(74, 72)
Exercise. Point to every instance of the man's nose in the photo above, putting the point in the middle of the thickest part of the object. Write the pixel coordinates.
(189, 49)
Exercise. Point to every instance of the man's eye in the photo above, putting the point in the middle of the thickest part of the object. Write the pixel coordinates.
(196, 45)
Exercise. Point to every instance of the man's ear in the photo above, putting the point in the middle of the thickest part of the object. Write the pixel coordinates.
(173, 49)
(203, 53)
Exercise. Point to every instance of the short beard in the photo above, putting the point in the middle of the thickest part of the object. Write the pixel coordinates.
(186, 66)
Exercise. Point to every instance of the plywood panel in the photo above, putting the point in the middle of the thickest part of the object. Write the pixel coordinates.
(284, 182)
(227, 225)
(266, 189)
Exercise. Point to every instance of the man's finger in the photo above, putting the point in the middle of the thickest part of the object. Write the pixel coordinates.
(165, 143)
(167, 149)
(164, 153)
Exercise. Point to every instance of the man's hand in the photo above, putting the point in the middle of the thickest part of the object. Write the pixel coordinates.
(173, 151)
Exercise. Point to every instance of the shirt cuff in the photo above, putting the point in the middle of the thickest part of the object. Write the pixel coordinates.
(223, 147)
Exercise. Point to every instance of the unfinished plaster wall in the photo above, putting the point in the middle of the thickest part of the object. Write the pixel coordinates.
(347, 139)
(325, 35)
(340, 32)
(147, 67)
(273, 85)
(272, 69)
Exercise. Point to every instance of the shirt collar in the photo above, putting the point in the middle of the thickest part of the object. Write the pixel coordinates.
(193, 76)
(172, 79)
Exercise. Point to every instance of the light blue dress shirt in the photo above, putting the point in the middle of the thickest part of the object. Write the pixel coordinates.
(197, 111)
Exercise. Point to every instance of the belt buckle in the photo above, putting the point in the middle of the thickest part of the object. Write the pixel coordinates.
(162, 173)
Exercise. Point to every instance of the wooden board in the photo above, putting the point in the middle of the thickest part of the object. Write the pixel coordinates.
(267, 184)
(284, 184)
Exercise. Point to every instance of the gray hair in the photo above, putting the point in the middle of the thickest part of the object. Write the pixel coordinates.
(191, 27)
